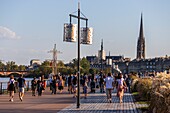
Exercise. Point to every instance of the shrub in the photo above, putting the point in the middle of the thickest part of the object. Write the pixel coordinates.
(144, 88)
(134, 83)
(160, 94)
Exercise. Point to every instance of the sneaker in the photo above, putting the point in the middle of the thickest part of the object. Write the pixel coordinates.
(21, 98)
(110, 100)
(11, 100)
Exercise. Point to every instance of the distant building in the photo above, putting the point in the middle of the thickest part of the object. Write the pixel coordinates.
(126, 65)
(34, 64)
(92, 59)
(102, 61)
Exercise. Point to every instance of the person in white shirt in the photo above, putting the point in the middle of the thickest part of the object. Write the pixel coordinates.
(109, 82)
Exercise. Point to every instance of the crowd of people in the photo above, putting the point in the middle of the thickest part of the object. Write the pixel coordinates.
(106, 84)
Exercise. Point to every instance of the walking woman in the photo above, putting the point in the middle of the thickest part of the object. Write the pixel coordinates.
(60, 84)
(11, 88)
(121, 87)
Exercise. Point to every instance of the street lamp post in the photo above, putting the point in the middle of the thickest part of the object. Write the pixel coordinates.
(88, 31)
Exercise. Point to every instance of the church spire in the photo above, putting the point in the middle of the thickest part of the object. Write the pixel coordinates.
(141, 42)
(141, 35)
(102, 45)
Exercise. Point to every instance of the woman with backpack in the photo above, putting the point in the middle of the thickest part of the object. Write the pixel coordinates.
(11, 88)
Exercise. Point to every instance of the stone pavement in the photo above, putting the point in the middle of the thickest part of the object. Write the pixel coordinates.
(97, 103)
(46, 103)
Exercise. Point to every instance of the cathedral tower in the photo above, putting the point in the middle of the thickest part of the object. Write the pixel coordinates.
(141, 43)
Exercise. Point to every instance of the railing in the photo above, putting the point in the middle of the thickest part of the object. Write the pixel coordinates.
(4, 85)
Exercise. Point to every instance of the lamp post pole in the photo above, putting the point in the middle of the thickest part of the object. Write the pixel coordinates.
(78, 63)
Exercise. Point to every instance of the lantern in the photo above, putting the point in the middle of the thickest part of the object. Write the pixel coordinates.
(70, 32)
(86, 35)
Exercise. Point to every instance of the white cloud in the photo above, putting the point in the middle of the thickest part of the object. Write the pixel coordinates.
(6, 33)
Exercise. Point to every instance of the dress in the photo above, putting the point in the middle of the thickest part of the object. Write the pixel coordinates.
(120, 87)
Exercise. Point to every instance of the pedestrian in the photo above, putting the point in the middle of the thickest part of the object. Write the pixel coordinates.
(21, 84)
(128, 83)
(85, 87)
(11, 88)
(74, 85)
(121, 87)
(101, 83)
(54, 85)
(61, 84)
(43, 82)
(33, 86)
(109, 82)
(70, 84)
(51, 79)
(93, 86)
(39, 86)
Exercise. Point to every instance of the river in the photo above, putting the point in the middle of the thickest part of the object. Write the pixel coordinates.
(4, 81)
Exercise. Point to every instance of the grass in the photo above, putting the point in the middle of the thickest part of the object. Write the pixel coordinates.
(142, 102)
(135, 93)
(139, 100)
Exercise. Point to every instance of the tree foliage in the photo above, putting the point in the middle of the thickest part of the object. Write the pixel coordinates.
(46, 68)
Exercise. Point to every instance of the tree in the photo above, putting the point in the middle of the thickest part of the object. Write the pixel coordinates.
(45, 68)
(61, 68)
(21, 68)
(2, 66)
(85, 65)
(73, 66)
(107, 70)
(94, 71)
(11, 66)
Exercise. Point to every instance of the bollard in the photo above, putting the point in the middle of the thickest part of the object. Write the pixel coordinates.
(1, 88)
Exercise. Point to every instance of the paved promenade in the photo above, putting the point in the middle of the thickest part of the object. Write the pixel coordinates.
(47, 103)
(65, 103)
(97, 103)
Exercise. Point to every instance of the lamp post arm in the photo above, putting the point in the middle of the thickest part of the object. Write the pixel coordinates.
(77, 17)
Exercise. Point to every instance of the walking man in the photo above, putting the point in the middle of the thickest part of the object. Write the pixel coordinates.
(21, 84)
(54, 87)
(109, 82)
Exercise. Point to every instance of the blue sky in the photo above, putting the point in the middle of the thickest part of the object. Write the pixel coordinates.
(30, 28)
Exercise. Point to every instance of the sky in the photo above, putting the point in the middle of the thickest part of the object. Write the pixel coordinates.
(30, 28)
